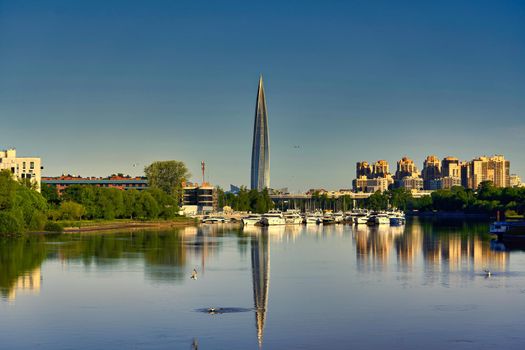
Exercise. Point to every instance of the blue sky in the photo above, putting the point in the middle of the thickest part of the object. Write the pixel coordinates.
(94, 87)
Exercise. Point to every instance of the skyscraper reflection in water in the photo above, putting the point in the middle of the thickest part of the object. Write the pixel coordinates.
(260, 251)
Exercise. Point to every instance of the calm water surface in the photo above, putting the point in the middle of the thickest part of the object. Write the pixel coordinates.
(315, 287)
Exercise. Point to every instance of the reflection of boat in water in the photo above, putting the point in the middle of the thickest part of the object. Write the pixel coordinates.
(252, 230)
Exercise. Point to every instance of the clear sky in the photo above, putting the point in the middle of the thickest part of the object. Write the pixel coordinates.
(94, 87)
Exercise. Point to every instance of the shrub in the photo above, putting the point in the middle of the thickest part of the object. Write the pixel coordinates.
(9, 223)
(53, 227)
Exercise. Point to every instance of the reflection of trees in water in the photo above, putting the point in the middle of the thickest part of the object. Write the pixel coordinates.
(19, 258)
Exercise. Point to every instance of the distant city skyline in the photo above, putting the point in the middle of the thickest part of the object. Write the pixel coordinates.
(96, 88)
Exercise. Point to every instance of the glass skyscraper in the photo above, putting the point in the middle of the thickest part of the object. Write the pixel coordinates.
(260, 177)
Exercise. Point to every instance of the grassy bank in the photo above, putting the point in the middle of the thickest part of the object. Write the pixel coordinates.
(75, 226)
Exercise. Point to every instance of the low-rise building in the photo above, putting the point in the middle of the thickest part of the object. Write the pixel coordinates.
(515, 181)
(22, 168)
(203, 196)
(444, 183)
(411, 183)
(115, 181)
(364, 184)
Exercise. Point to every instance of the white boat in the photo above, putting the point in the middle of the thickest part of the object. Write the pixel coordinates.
(397, 218)
(328, 219)
(361, 218)
(273, 218)
(382, 219)
(292, 217)
(314, 218)
(251, 220)
(214, 220)
(338, 217)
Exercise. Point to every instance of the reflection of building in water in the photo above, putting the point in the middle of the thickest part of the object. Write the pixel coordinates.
(27, 282)
(408, 246)
(454, 252)
(374, 244)
(260, 247)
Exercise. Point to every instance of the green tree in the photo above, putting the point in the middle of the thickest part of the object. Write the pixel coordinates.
(50, 193)
(71, 211)
(167, 176)
(377, 201)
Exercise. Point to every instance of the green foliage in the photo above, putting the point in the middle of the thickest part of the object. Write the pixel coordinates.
(167, 176)
(9, 223)
(377, 201)
(53, 227)
(71, 211)
(112, 203)
(246, 200)
(21, 208)
(50, 194)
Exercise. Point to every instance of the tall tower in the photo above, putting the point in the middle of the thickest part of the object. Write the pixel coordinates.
(260, 177)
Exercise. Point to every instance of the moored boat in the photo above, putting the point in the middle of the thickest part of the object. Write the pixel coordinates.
(273, 218)
(251, 220)
(292, 217)
(513, 229)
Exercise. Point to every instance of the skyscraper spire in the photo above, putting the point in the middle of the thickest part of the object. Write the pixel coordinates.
(260, 175)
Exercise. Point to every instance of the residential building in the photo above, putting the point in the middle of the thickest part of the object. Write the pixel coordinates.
(406, 167)
(444, 183)
(364, 184)
(515, 181)
(411, 183)
(431, 171)
(260, 170)
(450, 166)
(120, 182)
(22, 168)
(381, 168)
(495, 169)
(465, 174)
(363, 169)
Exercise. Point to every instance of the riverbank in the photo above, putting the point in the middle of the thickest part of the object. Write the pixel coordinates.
(112, 225)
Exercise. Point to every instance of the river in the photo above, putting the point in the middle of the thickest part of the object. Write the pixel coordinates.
(304, 287)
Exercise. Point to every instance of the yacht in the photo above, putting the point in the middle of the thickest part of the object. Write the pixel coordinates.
(361, 218)
(382, 218)
(273, 218)
(328, 218)
(397, 218)
(338, 217)
(292, 217)
(251, 220)
(314, 218)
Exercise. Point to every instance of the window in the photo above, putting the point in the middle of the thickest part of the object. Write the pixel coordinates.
(31, 165)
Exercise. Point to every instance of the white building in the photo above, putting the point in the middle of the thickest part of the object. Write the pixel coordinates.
(21, 168)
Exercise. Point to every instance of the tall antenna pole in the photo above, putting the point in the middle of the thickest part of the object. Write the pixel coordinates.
(203, 166)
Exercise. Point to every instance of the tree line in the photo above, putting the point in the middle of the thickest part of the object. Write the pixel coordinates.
(487, 199)
(23, 209)
(246, 200)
